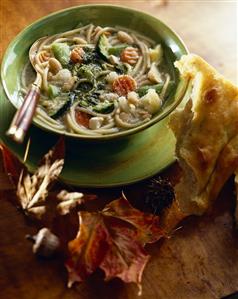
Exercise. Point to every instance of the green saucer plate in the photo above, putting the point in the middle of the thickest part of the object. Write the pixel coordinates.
(93, 163)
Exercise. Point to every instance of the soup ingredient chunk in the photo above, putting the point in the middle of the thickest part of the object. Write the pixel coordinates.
(156, 54)
(124, 84)
(54, 66)
(61, 52)
(151, 101)
(77, 54)
(130, 55)
(82, 118)
(103, 46)
(104, 72)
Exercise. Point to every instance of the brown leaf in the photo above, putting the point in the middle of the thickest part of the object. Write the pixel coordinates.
(12, 165)
(38, 211)
(126, 257)
(147, 225)
(89, 247)
(112, 240)
(69, 200)
(33, 189)
(55, 153)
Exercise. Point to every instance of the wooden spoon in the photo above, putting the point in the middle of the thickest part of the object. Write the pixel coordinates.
(24, 114)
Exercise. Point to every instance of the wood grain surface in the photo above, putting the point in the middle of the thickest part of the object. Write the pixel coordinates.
(200, 260)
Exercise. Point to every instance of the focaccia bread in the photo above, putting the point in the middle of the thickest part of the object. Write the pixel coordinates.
(207, 135)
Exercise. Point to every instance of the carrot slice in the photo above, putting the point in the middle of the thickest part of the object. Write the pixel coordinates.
(77, 54)
(123, 85)
(82, 118)
(130, 55)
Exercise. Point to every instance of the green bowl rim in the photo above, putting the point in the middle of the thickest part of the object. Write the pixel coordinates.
(182, 84)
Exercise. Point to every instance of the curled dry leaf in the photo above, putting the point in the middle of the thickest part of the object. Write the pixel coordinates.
(112, 240)
(37, 212)
(147, 225)
(126, 257)
(32, 190)
(69, 200)
(12, 165)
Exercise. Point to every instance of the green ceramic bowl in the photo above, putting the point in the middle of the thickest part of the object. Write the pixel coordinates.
(16, 55)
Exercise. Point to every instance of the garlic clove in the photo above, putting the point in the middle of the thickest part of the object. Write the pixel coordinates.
(45, 243)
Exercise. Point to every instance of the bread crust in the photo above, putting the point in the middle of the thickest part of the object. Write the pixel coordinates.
(236, 186)
(207, 135)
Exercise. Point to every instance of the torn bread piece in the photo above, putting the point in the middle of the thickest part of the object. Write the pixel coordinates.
(207, 135)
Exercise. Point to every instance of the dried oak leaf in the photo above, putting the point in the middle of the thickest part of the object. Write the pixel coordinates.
(113, 240)
(32, 190)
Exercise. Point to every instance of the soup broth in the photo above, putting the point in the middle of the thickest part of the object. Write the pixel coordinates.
(98, 81)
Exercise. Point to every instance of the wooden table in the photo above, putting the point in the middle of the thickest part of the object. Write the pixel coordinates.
(201, 260)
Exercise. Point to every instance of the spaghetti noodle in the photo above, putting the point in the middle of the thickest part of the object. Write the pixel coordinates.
(98, 81)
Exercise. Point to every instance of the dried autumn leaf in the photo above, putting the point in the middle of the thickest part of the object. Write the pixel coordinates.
(32, 190)
(69, 200)
(89, 247)
(126, 257)
(12, 165)
(147, 225)
(112, 240)
(38, 211)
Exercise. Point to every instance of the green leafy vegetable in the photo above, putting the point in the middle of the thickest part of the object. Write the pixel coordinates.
(117, 49)
(58, 105)
(144, 89)
(90, 56)
(62, 110)
(104, 108)
(101, 85)
(61, 52)
(158, 88)
(85, 99)
(103, 46)
(53, 91)
(89, 100)
(121, 68)
(87, 71)
(85, 87)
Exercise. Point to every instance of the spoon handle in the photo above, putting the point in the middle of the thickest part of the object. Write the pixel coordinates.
(24, 115)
